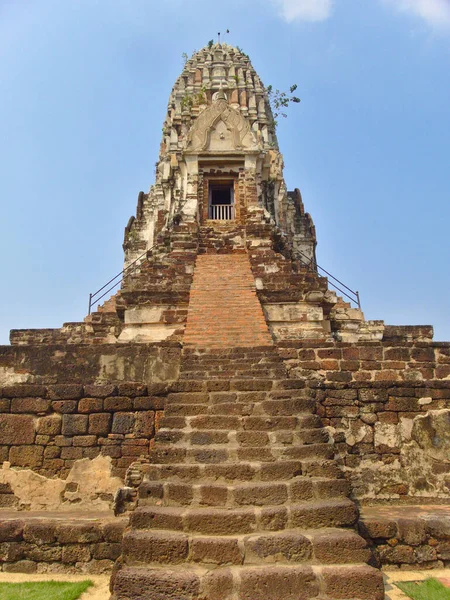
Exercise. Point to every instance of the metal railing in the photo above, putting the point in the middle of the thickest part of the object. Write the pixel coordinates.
(94, 298)
(221, 212)
(351, 295)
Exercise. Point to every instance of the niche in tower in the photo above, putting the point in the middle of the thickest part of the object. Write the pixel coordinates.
(221, 200)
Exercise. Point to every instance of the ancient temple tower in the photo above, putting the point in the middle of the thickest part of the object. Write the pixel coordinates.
(220, 174)
(219, 158)
(231, 406)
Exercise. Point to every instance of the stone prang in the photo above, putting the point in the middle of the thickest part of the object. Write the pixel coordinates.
(232, 408)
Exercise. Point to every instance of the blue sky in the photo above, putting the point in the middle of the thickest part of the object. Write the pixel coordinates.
(84, 90)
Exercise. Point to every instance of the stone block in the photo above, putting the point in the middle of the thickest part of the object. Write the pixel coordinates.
(52, 452)
(260, 494)
(132, 389)
(65, 406)
(65, 392)
(220, 522)
(145, 424)
(38, 532)
(44, 553)
(117, 403)
(348, 546)
(123, 422)
(150, 546)
(21, 566)
(286, 546)
(399, 554)
(218, 584)
(90, 405)
(29, 405)
(76, 553)
(17, 429)
(74, 424)
(411, 531)
(11, 531)
(24, 390)
(85, 440)
(106, 550)
(324, 514)
(100, 423)
(179, 493)
(79, 533)
(156, 519)
(213, 495)
(274, 583)
(113, 531)
(100, 391)
(50, 425)
(274, 518)
(424, 554)
(26, 456)
(167, 585)
(362, 582)
(62, 441)
(71, 453)
(149, 403)
(213, 550)
(12, 551)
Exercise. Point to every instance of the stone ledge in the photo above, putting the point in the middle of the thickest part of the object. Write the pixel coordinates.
(408, 537)
(63, 542)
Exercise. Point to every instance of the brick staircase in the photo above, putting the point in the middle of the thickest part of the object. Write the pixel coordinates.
(224, 310)
(237, 363)
(243, 499)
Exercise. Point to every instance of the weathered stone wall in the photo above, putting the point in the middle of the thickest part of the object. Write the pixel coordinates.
(89, 545)
(88, 364)
(56, 435)
(388, 408)
(417, 539)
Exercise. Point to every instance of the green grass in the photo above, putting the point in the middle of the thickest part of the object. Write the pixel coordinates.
(43, 590)
(430, 589)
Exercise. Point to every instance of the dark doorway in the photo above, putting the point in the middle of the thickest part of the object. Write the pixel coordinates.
(221, 201)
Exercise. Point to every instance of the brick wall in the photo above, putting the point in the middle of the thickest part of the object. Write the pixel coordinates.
(48, 428)
(85, 363)
(62, 545)
(388, 408)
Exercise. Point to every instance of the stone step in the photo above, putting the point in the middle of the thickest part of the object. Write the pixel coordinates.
(230, 374)
(158, 493)
(221, 453)
(302, 422)
(236, 367)
(235, 422)
(254, 396)
(242, 471)
(262, 582)
(273, 407)
(244, 359)
(203, 384)
(228, 521)
(291, 546)
(183, 438)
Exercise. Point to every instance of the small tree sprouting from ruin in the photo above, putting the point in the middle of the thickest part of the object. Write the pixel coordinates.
(279, 101)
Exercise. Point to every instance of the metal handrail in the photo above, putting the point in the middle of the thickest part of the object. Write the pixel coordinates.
(355, 298)
(93, 299)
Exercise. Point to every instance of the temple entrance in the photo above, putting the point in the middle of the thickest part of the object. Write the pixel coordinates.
(221, 201)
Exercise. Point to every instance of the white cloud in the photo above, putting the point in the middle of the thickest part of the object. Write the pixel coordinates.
(304, 10)
(434, 12)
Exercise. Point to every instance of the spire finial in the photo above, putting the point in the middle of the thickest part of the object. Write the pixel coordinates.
(221, 93)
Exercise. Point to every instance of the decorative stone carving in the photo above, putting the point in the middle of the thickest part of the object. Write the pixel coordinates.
(221, 128)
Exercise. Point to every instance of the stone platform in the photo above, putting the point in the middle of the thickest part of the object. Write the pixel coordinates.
(59, 542)
(408, 537)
